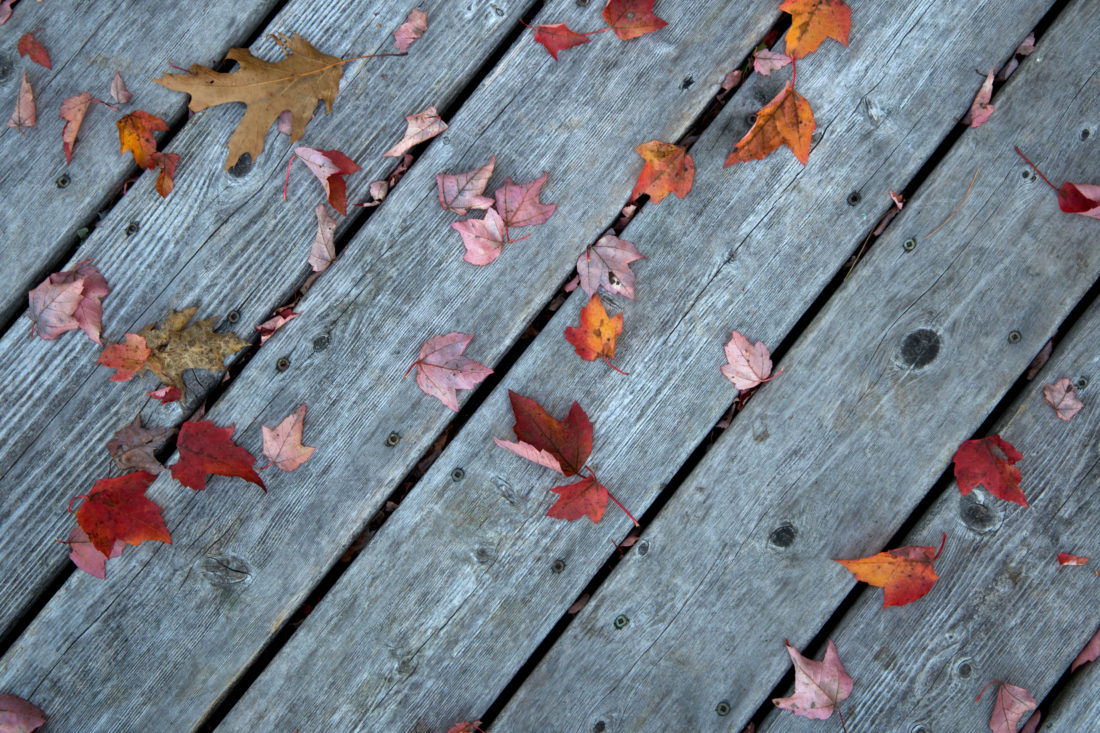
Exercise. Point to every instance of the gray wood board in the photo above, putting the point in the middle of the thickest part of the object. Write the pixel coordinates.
(221, 241)
(829, 458)
(1003, 609)
(1077, 707)
(401, 281)
(457, 589)
(88, 43)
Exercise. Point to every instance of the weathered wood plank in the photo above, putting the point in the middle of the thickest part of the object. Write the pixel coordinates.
(401, 281)
(830, 457)
(1077, 707)
(458, 587)
(1003, 609)
(222, 241)
(88, 42)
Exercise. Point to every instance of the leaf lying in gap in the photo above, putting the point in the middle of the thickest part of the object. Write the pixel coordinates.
(116, 510)
(980, 108)
(283, 443)
(668, 169)
(1062, 397)
(786, 120)
(204, 448)
(278, 319)
(441, 369)
(410, 30)
(812, 21)
(133, 446)
(461, 192)
(322, 252)
(421, 126)
(26, 112)
(330, 167)
(818, 686)
(1088, 653)
(765, 62)
(905, 574)
(606, 264)
(631, 18)
(989, 462)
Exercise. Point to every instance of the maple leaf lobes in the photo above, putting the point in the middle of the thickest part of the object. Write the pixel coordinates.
(989, 462)
(631, 18)
(204, 448)
(520, 205)
(606, 264)
(587, 497)
(668, 169)
(1010, 707)
(53, 307)
(559, 37)
(484, 239)
(441, 369)
(748, 365)
(905, 574)
(1062, 397)
(786, 120)
(116, 510)
(812, 21)
(283, 443)
(135, 133)
(818, 686)
(463, 191)
(595, 339)
(569, 440)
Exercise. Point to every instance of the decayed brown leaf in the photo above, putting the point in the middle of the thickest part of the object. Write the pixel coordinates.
(177, 347)
(295, 83)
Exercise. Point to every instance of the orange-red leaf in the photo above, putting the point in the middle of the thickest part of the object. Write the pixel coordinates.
(786, 120)
(116, 510)
(906, 573)
(668, 169)
(127, 358)
(587, 497)
(989, 462)
(1064, 558)
(595, 338)
(205, 448)
(558, 37)
(631, 18)
(812, 21)
(30, 46)
(135, 133)
(283, 443)
(569, 441)
(73, 110)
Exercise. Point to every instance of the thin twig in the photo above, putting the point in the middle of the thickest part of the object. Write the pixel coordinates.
(926, 236)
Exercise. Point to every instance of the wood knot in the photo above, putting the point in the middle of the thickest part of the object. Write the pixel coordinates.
(783, 535)
(222, 571)
(920, 348)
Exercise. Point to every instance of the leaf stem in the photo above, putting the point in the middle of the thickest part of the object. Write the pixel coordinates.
(976, 172)
(620, 371)
(406, 375)
(513, 241)
(286, 183)
(1035, 168)
(794, 72)
(612, 496)
(843, 725)
(942, 543)
(70, 507)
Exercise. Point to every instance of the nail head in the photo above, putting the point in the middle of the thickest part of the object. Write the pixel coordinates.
(282, 364)
(233, 316)
(558, 566)
(393, 439)
(132, 228)
(909, 244)
(621, 621)
(1082, 382)
(854, 198)
(63, 180)
(1014, 337)
(722, 708)
(457, 474)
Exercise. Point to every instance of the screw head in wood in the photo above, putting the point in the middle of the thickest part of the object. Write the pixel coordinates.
(854, 198)
(457, 474)
(621, 621)
(393, 439)
(1082, 382)
(643, 548)
(964, 669)
(282, 364)
(600, 726)
(63, 180)
(722, 708)
(558, 566)
(909, 244)
(1014, 337)
(233, 316)
(1085, 134)
(132, 228)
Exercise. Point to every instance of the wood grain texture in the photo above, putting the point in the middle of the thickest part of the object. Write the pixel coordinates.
(400, 281)
(88, 42)
(458, 587)
(221, 241)
(1077, 706)
(1003, 609)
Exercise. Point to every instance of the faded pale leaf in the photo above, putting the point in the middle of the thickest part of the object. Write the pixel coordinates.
(441, 368)
(748, 364)
(421, 126)
(463, 191)
(330, 167)
(1010, 707)
(73, 110)
(134, 445)
(279, 319)
(26, 113)
(16, 714)
(606, 264)
(119, 92)
(980, 108)
(53, 307)
(520, 205)
(1089, 653)
(410, 30)
(323, 250)
(484, 238)
(283, 443)
(765, 62)
(1062, 397)
(86, 557)
(535, 455)
(818, 686)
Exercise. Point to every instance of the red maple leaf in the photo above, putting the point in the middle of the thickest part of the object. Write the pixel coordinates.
(205, 448)
(28, 45)
(559, 37)
(461, 192)
(606, 264)
(587, 497)
(905, 574)
(441, 369)
(283, 443)
(116, 510)
(127, 358)
(519, 206)
(668, 169)
(1073, 198)
(631, 18)
(818, 686)
(812, 21)
(595, 338)
(1010, 707)
(1064, 558)
(989, 462)
(165, 394)
(330, 167)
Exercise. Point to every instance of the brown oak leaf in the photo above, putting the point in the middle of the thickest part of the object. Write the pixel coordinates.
(176, 347)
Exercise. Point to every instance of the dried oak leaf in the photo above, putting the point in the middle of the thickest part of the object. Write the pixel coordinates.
(595, 338)
(116, 510)
(330, 167)
(631, 18)
(1010, 707)
(26, 112)
(905, 574)
(28, 45)
(127, 358)
(1062, 397)
(176, 347)
(86, 557)
(294, 83)
(812, 21)
(818, 686)
(133, 446)
(566, 443)
(559, 37)
(204, 448)
(16, 714)
(786, 120)
(419, 127)
(461, 192)
(668, 169)
(410, 30)
(283, 443)
(606, 264)
(990, 462)
(980, 108)
(441, 369)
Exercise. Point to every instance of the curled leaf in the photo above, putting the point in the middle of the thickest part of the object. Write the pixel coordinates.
(26, 112)
(322, 252)
(421, 126)
(410, 30)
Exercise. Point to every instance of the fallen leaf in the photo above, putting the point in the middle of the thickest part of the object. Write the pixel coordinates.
(1064, 558)
(410, 30)
(520, 206)
(559, 37)
(441, 369)
(135, 133)
(484, 238)
(631, 18)
(587, 497)
(133, 446)
(1073, 198)
(421, 126)
(818, 686)
(579, 604)
(5, 10)
(470, 726)
(119, 92)
(1040, 359)
(26, 112)
(786, 120)
(86, 557)
(116, 510)
(1010, 707)
(322, 252)
(89, 309)
(278, 319)
(16, 714)
(595, 338)
(905, 574)
(30, 46)
(167, 163)
(73, 110)
(568, 441)
(765, 61)
(729, 81)
(1088, 653)
(668, 169)
(1062, 396)
(980, 108)
(606, 264)
(812, 21)
(176, 347)
(295, 83)
(283, 443)
(53, 306)
(989, 462)
(748, 364)
(330, 167)
(204, 448)
(463, 191)
(128, 357)
(165, 394)
(1032, 724)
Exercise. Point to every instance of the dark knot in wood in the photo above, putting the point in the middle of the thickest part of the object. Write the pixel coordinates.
(920, 348)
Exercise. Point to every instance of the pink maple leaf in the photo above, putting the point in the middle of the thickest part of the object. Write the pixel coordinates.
(283, 443)
(1010, 707)
(748, 364)
(1062, 396)
(421, 126)
(441, 369)
(519, 206)
(410, 30)
(980, 108)
(463, 191)
(818, 686)
(330, 167)
(607, 264)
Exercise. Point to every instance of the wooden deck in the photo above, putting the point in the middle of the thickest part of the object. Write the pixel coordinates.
(322, 606)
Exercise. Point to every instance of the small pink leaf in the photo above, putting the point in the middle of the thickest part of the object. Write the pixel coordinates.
(283, 443)
(531, 453)
(980, 108)
(410, 30)
(1010, 707)
(119, 92)
(519, 206)
(607, 264)
(463, 191)
(26, 113)
(1062, 396)
(86, 557)
(818, 686)
(421, 126)
(484, 238)
(441, 369)
(53, 307)
(749, 364)
(73, 110)
(16, 714)
(765, 62)
(323, 251)
(279, 319)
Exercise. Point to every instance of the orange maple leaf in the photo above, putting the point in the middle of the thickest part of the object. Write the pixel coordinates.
(135, 133)
(786, 120)
(595, 338)
(905, 574)
(812, 21)
(668, 169)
